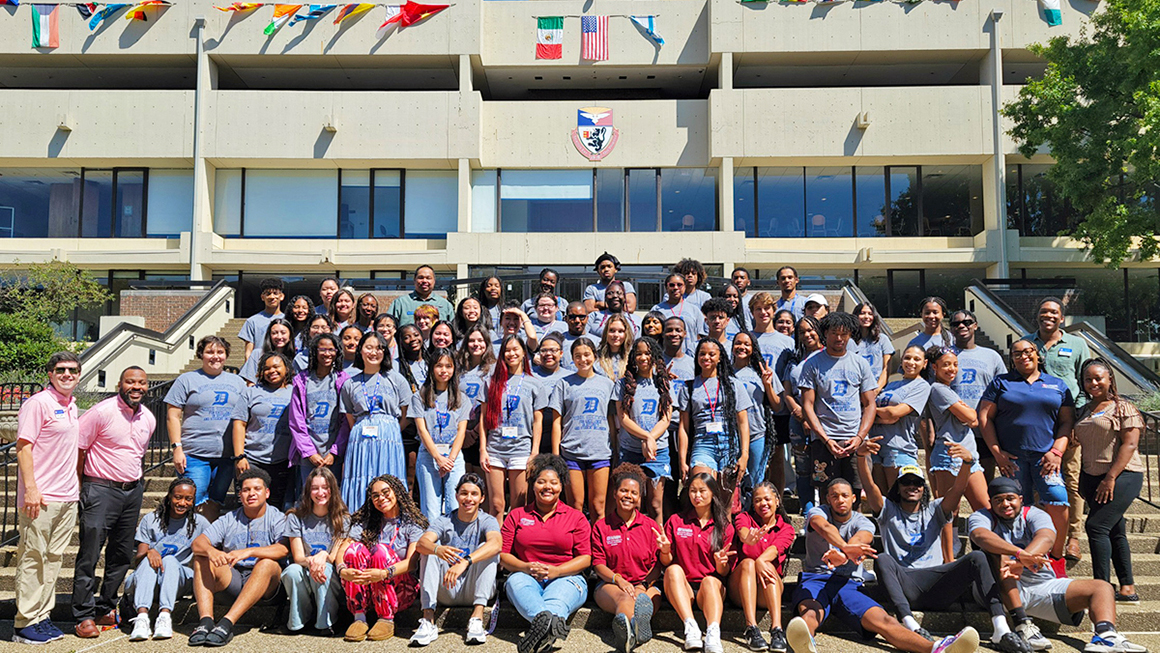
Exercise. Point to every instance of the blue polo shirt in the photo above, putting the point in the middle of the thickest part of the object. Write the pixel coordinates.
(1027, 412)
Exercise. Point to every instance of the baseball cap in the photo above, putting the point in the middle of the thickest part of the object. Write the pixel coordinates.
(818, 298)
(911, 470)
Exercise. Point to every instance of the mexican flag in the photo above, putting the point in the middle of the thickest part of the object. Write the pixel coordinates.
(550, 37)
(45, 28)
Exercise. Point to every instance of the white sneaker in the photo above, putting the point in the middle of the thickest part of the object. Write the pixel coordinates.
(713, 639)
(1031, 633)
(797, 632)
(693, 641)
(141, 630)
(965, 641)
(476, 633)
(425, 633)
(163, 629)
(1112, 642)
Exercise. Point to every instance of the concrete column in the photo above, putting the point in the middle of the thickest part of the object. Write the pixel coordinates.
(725, 72)
(996, 219)
(201, 232)
(464, 196)
(465, 80)
(725, 194)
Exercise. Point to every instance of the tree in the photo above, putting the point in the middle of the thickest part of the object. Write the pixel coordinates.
(1097, 108)
(51, 291)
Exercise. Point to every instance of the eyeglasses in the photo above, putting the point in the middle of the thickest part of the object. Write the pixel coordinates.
(576, 317)
(550, 350)
(328, 350)
(371, 349)
(67, 370)
(380, 495)
(963, 323)
(1024, 353)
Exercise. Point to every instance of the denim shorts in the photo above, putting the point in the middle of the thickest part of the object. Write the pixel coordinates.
(1051, 490)
(942, 461)
(891, 457)
(654, 469)
(212, 477)
(709, 451)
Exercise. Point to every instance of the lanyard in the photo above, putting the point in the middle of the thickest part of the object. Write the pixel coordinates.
(712, 401)
(508, 403)
(378, 393)
(438, 423)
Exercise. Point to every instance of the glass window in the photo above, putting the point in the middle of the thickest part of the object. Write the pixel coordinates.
(1014, 206)
(952, 196)
(170, 203)
(781, 204)
(39, 203)
(642, 200)
(97, 204)
(432, 203)
(904, 198)
(609, 199)
(354, 204)
(546, 200)
(227, 202)
(689, 199)
(829, 202)
(1144, 304)
(483, 201)
(388, 203)
(290, 203)
(744, 202)
(1044, 211)
(129, 209)
(870, 188)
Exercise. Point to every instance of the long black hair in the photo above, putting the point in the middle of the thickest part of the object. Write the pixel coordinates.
(313, 349)
(717, 507)
(385, 366)
(799, 347)
(297, 327)
(268, 343)
(481, 294)
(427, 392)
(404, 362)
(728, 395)
(660, 377)
(737, 314)
(895, 495)
(163, 506)
(875, 328)
(756, 359)
(463, 326)
(372, 520)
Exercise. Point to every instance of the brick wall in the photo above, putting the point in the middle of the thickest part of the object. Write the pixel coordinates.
(1026, 302)
(160, 308)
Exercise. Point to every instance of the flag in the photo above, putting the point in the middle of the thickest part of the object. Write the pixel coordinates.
(1051, 12)
(649, 25)
(316, 12)
(594, 38)
(550, 37)
(282, 13)
(392, 21)
(14, 3)
(138, 10)
(45, 28)
(413, 12)
(86, 10)
(241, 6)
(100, 16)
(350, 10)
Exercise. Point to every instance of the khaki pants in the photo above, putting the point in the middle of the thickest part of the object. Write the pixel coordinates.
(1070, 468)
(42, 544)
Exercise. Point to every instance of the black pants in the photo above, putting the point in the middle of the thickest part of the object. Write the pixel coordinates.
(279, 482)
(1105, 528)
(936, 588)
(826, 468)
(108, 520)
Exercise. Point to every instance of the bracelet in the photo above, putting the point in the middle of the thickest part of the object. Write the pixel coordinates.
(340, 566)
(467, 557)
(1056, 452)
(614, 577)
(390, 572)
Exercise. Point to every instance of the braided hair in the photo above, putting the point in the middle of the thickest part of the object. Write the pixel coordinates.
(371, 519)
(725, 387)
(166, 504)
(755, 362)
(660, 377)
(947, 338)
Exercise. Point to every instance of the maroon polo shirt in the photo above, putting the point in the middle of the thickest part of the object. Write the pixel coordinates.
(693, 544)
(630, 551)
(552, 541)
(781, 536)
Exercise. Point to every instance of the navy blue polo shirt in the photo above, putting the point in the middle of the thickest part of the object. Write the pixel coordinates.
(1027, 412)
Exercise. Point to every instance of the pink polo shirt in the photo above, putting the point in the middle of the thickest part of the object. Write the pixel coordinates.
(115, 437)
(48, 421)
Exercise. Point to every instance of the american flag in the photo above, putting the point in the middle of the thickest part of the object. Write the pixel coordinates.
(594, 38)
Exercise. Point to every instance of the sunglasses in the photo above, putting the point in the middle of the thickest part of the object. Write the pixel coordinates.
(963, 323)
(67, 370)
(575, 317)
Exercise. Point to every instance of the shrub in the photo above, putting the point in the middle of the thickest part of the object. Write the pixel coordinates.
(26, 344)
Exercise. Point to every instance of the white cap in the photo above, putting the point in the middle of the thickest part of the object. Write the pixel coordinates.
(818, 298)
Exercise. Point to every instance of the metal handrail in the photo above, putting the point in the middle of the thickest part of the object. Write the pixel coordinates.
(1149, 448)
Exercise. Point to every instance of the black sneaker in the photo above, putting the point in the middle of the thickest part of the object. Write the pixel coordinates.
(643, 619)
(924, 633)
(622, 636)
(197, 637)
(754, 640)
(558, 630)
(777, 642)
(219, 636)
(1013, 643)
(537, 632)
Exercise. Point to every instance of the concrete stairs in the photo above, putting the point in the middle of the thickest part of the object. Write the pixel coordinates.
(229, 333)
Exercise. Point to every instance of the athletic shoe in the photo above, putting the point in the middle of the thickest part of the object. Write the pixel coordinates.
(356, 631)
(777, 642)
(51, 630)
(1012, 642)
(163, 627)
(141, 630)
(557, 629)
(537, 632)
(754, 640)
(476, 633)
(197, 637)
(642, 622)
(925, 634)
(965, 641)
(713, 639)
(623, 639)
(424, 634)
(382, 630)
(220, 636)
(799, 636)
(31, 634)
(1032, 635)
(1112, 642)
(693, 640)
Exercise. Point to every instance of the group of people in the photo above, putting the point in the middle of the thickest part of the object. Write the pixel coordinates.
(384, 458)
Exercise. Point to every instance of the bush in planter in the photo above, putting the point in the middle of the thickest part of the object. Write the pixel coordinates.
(26, 344)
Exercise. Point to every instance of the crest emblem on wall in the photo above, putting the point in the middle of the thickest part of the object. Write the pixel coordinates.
(594, 136)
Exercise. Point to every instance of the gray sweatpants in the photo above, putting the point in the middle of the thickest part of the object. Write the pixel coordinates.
(475, 587)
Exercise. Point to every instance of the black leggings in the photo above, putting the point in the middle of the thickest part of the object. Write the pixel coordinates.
(1105, 528)
(936, 588)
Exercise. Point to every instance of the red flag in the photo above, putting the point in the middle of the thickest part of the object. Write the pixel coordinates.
(413, 12)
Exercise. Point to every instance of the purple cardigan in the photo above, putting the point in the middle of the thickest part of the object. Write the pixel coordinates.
(302, 445)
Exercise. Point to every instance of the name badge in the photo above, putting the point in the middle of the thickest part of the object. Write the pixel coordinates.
(612, 540)
(715, 428)
(443, 449)
(1065, 353)
(370, 430)
(509, 432)
(527, 521)
(684, 532)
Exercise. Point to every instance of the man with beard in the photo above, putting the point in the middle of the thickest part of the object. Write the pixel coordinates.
(614, 299)
(403, 308)
(113, 437)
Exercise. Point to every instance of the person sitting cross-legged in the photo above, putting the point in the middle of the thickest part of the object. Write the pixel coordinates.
(240, 554)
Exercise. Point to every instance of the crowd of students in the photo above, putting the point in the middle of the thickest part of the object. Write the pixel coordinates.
(384, 458)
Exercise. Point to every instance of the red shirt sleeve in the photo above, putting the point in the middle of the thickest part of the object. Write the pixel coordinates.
(783, 536)
(598, 556)
(508, 531)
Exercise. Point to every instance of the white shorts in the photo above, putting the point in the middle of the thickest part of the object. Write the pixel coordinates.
(517, 463)
(1047, 600)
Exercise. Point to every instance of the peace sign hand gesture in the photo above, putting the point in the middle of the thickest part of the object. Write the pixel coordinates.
(664, 546)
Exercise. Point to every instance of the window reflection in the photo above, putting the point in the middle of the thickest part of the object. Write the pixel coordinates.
(688, 199)
(781, 204)
(870, 187)
(829, 202)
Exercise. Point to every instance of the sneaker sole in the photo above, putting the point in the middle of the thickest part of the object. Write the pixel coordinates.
(17, 639)
(422, 642)
(622, 633)
(537, 631)
(476, 639)
(643, 611)
(967, 642)
(797, 634)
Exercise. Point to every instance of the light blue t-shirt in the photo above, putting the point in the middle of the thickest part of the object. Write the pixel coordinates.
(254, 329)
(583, 408)
(873, 351)
(207, 406)
(683, 368)
(645, 411)
(947, 427)
(777, 349)
(1019, 531)
(977, 367)
(797, 306)
(597, 320)
(838, 384)
(752, 384)
(264, 410)
(321, 406)
(943, 339)
(690, 315)
(595, 291)
(364, 394)
(234, 530)
(441, 420)
(523, 395)
(472, 384)
(705, 404)
(913, 538)
(314, 531)
(566, 356)
(901, 435)
(249, 371)
(816, 545)
(173, 541)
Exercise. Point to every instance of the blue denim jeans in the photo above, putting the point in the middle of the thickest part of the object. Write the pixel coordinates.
(436, 493)
(561, 596)
(173, 580)
(310, 601)
(1051, 489)
(212, 476)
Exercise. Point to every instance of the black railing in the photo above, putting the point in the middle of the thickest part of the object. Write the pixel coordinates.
(14, 394)
(11, 396)
(1149, 449)
(158, 453)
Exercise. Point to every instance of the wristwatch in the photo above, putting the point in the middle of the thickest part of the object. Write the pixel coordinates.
(238, 457)
(175, 445)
